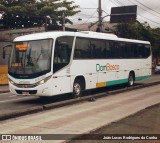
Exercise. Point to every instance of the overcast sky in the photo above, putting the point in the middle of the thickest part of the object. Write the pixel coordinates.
(148, 10)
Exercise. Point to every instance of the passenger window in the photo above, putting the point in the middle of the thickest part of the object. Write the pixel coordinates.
(62, 52)
(82, 49)
(98, 49)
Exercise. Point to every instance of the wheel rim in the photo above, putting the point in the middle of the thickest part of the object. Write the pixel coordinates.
(131, 80)
(77, 89)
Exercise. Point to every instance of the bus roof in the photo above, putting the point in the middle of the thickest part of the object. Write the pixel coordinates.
(87, 34)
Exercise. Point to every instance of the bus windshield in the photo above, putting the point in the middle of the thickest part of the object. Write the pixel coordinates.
(30, 59)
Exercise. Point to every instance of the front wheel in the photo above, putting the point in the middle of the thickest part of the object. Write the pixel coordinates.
(131, 79)
(77, 89)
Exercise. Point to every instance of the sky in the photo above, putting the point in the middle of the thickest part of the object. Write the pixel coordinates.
(147, 10)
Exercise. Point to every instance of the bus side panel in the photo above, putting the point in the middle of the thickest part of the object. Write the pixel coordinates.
(145, 69)
(61, 84)
(86, 69)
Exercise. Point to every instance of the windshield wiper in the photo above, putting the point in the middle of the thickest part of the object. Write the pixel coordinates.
(29, 59)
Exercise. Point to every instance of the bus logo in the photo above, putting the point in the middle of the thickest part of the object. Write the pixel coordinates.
(107, 67)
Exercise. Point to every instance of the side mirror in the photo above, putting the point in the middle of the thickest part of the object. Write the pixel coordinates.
(4, 53)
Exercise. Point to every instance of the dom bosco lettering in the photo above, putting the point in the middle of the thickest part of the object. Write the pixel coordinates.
(107, 67)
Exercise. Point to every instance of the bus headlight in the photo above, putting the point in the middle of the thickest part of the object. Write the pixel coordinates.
(43, 81)
(11, 82)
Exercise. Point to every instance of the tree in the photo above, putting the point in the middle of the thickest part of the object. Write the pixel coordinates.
(31, 13)
(137, 30)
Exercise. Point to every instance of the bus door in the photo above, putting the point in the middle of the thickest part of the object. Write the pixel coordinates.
(62, 55)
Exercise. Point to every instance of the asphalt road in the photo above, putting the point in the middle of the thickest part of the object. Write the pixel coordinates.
(10, 103)
(85, 117)
(144, 123)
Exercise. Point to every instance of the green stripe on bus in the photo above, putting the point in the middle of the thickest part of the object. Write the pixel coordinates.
(120, 81)
(143, 77)
(114, 82)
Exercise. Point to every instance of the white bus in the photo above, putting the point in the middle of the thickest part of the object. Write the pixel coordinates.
(52, 63)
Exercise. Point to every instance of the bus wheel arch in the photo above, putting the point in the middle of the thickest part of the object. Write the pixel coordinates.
(79, 85)
(131, 78)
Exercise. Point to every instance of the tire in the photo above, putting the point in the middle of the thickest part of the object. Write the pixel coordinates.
(77, 88)
(131, 79)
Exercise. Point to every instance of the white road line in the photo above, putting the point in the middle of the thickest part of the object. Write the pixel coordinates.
(14, 99)
(13, 96)
(5, 93)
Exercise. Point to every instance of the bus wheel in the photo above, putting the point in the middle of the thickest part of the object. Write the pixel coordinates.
(77, 89)
(131, 79)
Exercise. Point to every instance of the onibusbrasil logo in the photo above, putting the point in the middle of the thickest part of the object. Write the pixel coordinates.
(107, 67)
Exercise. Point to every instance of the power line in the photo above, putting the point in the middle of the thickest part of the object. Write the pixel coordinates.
(121, 4)
(145, 7)
(88, 18)
(86, 8)
(115, 3)
(85, 15)
(146, 17)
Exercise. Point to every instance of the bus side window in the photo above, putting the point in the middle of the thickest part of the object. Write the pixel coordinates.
(147, 51)
(140, 51)
(98, 48)
(82, 49)
(122, 49)
(62, 52)
(108, 50)
(114, 49)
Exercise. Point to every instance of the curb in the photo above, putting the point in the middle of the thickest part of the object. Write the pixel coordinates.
(4, 91)
(90, 98)
(21, 113)
(6, 86)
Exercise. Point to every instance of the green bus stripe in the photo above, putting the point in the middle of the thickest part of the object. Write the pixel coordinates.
(121, 81)
(143, 77)
(114, 82)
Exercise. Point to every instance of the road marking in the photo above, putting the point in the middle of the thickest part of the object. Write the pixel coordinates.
(15, 99)
(5, 93)
(13, 95)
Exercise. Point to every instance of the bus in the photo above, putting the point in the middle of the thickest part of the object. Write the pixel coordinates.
(4, 56)
(53, 63)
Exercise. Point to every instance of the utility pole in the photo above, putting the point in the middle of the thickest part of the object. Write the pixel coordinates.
(46, 29)
(99, 28)
(63, 21)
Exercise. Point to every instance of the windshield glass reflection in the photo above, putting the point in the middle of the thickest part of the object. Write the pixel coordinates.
(31, 58)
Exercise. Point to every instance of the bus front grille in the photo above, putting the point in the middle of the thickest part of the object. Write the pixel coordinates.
(26, 91)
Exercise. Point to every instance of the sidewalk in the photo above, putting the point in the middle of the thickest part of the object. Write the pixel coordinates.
(145, 122)
(71, 121)
(4, 88)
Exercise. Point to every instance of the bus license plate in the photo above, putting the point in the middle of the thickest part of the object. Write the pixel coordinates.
(25, 93)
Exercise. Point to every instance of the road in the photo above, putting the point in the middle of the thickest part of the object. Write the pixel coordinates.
(144, 123)
(84, 117)
(10, 103)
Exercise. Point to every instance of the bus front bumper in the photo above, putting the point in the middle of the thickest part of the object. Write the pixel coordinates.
(41, 90)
